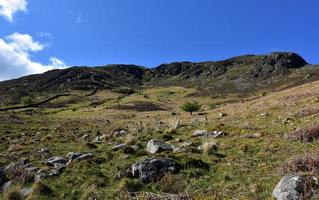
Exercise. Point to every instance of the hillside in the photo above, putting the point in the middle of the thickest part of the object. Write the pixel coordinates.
(244, 75)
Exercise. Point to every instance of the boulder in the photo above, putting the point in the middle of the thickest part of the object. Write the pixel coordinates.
(153, 169)
(157, 146)
(295, 188)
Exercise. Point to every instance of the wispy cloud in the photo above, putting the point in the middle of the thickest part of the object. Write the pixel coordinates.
(9, 7)
(78, 20)
(15, 57)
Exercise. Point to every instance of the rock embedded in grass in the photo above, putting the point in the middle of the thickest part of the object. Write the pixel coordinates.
(296, 188)
(157, 146)
(118, 147)
(51, 161)
(205, 133)
(153, 169)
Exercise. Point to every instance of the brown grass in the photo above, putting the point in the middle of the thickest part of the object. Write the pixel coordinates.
(303, 163)
(307, 134)
(307, 112)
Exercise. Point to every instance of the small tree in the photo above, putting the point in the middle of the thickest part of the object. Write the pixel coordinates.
(191, 107)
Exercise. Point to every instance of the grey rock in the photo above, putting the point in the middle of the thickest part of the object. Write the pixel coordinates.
(73, 155)
(51, 161)
(295, 188)
(204, 133)
(87, 156)
(157, 146)
(200, 133)
(118, 147)
(153, 169)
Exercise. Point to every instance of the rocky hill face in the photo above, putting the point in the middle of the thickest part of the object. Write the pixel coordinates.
(238, 74)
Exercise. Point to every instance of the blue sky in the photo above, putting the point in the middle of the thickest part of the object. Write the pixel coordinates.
(148, 33)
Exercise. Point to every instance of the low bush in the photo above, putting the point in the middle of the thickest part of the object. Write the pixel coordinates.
(307, 134)
(303, 163)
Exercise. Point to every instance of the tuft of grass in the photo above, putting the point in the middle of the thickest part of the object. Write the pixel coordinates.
(91, 193)
(209, 146)
(13, 193)
(130, 139)
(40, 188)
(129, 185)
(307, 134)
(303, 163)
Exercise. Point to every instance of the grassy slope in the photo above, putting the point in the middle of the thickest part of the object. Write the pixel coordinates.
(249, 170)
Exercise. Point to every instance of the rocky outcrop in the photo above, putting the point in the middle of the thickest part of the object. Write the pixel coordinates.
(296, 188)
(276, 63)
(153, 169)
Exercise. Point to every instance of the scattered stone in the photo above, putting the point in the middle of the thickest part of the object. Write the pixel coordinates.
(118, 147)
(222, 114)
(153, 169)
(200, 133)
(157, 146)
(204, 133)
(119, 133)
(51, 161)
(295, 188)
(264, 114)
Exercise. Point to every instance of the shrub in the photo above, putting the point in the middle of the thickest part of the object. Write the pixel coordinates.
(307, 134)
(302, 163)
(191, 107)
(27, 100)
(125, 90)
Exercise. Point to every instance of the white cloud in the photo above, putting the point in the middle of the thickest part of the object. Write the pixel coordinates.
(9, 7)
(15, 61)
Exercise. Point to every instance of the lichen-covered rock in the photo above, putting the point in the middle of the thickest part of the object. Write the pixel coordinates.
(296, 188)
(153, 169)
(157, 146)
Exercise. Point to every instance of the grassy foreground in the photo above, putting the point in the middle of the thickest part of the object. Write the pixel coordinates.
(246, 165)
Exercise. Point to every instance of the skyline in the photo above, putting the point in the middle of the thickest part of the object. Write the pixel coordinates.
(39, 35)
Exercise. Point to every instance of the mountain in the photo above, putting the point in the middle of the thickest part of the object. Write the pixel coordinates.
(243, 74)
